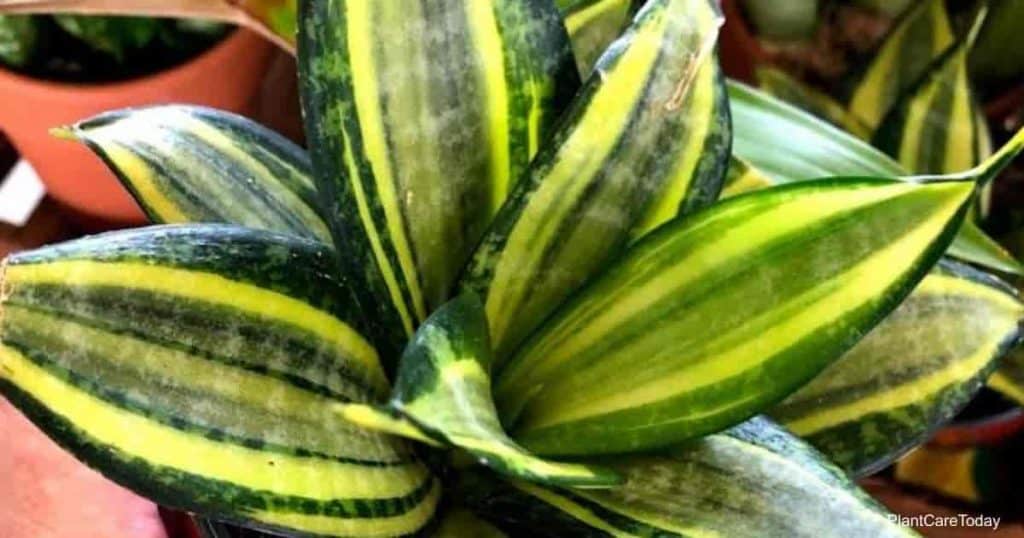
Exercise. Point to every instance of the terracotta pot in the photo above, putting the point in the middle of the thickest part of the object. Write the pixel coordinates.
(739, 50)
(986, 431)
(227, 76)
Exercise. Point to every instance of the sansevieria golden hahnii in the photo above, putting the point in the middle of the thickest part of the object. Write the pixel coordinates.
(644, 135)
(419, 144)
(230, 408)
(191, 164)
(923, 34)
(807, 261)
(494, 299)
(912, 372)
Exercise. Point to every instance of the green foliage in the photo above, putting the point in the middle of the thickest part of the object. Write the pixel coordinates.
(70, 46)
(112, 35)
(18, 36)
(998, 55)
(784, 20)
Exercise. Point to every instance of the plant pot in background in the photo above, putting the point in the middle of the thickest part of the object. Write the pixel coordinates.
(228, 76)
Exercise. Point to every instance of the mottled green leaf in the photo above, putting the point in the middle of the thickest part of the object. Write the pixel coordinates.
(421, 118)
(640, 143)
(201, 366)
(713, 317)
(755, 480)
(922, 35)
(910, 374)
(934, 127)
(592, 26)
(192, 164)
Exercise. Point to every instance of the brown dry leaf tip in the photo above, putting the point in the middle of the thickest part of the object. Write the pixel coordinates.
(683, 87)
(697, 60)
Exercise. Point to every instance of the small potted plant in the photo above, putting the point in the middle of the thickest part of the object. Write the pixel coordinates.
(54, 69)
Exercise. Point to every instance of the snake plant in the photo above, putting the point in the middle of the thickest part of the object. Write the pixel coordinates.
(502, 295)
(915, 101)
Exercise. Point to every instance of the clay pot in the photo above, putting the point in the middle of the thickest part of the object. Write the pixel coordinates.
(228, 76)
(987, 431)
(739, 50)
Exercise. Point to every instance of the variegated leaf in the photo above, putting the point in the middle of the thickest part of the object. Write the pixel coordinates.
(642, 141)
(815, 265)
(756, 480)
(912, 373)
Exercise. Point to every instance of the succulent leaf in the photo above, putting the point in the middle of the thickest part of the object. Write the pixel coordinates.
(420, 122)
(592, 26)
(936, 126)
(913, 372)
(754, 480)
(191, 164)
(728, 310)
(640, 137)
(443, 396)
(813, 149)
(201, 366)
(922, 35)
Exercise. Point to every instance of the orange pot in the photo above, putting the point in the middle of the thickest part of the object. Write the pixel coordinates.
(228, 76)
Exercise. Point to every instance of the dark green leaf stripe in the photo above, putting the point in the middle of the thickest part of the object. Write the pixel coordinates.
(815, 265)
(444, 391)
(592, 26)
(933, 128)
(813, 149)
(923, 34)
(755, 480)
(1008, 379)
(914, 371)
(421, 117)
(192, 164)
(783, 86)
(708, 140)
(202, 366)
(640, 137)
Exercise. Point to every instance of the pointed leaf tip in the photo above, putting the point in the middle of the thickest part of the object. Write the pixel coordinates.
(65, 132)
(998, 161)
(443, 398)
(841, 253)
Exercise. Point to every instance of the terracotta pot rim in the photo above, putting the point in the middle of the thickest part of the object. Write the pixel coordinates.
(988, 430)
(238, 38)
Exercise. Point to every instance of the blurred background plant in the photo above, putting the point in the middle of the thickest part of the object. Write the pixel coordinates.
(100, 48)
